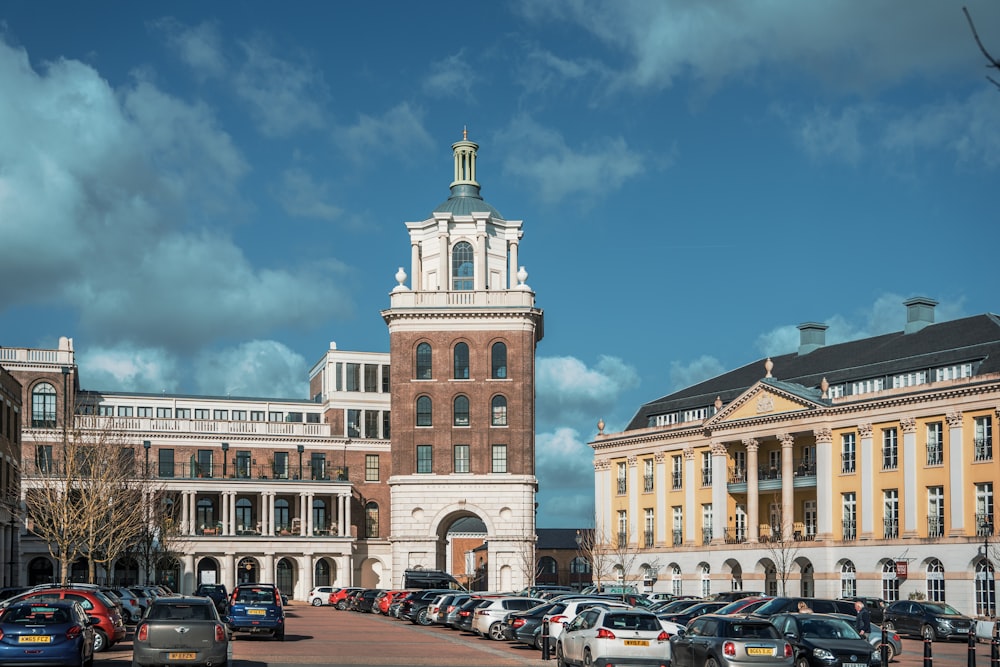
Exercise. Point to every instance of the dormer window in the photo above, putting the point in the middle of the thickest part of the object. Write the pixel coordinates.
(462, 267)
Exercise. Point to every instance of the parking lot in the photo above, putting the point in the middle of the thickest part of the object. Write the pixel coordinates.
(325, 636)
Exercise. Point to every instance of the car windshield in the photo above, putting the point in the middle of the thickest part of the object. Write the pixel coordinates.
(255, 595)
(180, 612)
(827, 628)
(941, 608)
(631, 622)
(752, 631)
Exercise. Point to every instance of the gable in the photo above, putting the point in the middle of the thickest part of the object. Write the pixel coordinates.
(761, 400)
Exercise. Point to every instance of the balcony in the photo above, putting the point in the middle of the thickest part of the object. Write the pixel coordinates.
(706, 477)
(935, 454)
(622, 486)
(847, 463)
(984, 525)
(678, 537)
(735, 535)
(217, 427)
(676, 480)
(647, 539)
(983, 449)
(706, 536)
(935, 526)
(513, 298)
(196, 471)
(647, 484)
(850, 529)
(890, 529)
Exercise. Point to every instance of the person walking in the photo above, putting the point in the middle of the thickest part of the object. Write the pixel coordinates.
(863, 619)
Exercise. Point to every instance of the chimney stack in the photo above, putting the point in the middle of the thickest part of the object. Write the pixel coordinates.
(919, 313)
(812, 336)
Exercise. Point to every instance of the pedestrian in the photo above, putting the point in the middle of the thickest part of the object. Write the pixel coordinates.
(863, 620)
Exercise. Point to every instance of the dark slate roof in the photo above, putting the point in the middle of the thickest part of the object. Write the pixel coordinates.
(971, 339)
(557, 538)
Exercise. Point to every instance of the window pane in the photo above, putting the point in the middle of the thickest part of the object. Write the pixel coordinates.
(462, 266)
(371, 467)
(498, 363)
(424, 411)
(461, 361)
(461, 458)
(424, 361)
(424, 461)
(499, 458)
(461, 411)
(498, 411)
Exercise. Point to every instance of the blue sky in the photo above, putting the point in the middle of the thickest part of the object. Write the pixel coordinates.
(204, 195)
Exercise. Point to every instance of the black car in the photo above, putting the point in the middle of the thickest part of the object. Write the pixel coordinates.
(930, 620)
(524, 625)
(821, 640)
(784, 605)
(876, 607)
(414, 606)
(364, 600)
(467, 613)
(218, 594)
(684, 617)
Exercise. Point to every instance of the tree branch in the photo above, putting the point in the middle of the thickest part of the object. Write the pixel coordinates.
(994, 63)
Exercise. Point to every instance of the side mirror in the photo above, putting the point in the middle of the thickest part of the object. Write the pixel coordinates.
(93, 620)
(680, 632)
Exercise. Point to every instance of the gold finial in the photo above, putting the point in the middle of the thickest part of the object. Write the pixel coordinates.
(465, 133)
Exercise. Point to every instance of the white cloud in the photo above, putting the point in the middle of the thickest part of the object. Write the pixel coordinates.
(302, 196)
(199, 47)
(541, 157)
(258, 368)
(686, 374)
(564, 466)
(827, 135)
(568, 392)
(283, 96)
(129, 368)
(399, 130)
(451, 77)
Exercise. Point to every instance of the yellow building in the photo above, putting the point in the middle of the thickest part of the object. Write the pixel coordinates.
(862, 468)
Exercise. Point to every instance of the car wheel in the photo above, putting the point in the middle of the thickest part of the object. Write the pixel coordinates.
(279, 635)
(496, 632)
(888, 627)
(588, 659)
(711, 662)
(316, 602)
(802, 662)
(100, 641)
(560, 659)
(927, 632)
(890, 653)
(422, 618)
(342, 606)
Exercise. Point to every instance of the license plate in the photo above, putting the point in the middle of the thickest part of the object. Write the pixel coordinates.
(34, 639)
(257, 612)
(854, 664)
(760, 650)
(181, 656)
(636, 642)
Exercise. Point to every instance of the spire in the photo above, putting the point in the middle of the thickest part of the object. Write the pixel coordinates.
(465, 184)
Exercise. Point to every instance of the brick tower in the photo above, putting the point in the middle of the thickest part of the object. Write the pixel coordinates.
(462, 343)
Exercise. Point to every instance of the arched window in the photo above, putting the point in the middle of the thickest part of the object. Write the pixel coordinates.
(890, 584)
(935, 581)
(498, 411)
(498, 361)
(461, 361)
(986, 593)
(848, 580)
(244, 516)
(676, 583)
(461, 266)
(320, 520)
(424, 361)
(371, 519)
(579, 565)
(424, 411)
(205, 512)
(461, 411)
(706, 581)
(547, 565)
(43, 406)
(282, 518)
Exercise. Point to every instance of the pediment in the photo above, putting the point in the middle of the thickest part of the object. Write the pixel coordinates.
(764, 400)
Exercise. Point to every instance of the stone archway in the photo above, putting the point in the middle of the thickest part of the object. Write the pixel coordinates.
(285, 575)
(459, 550)
(208, 572)
(247, 570)
(40, 571)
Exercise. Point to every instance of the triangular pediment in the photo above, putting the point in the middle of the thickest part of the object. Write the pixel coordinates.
(765, 399)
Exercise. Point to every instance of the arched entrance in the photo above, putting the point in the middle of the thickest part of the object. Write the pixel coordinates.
(371, 573)
(126, 571)
(461, 550)
(247, 571)
(322, 573)
(806, 578)
(78, 571)
(735, 571)
(40, 571)
(284, 576)
(168, 573)
(208, 572)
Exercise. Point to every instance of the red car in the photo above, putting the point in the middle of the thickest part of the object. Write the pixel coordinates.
(338, 597)
(109, 630)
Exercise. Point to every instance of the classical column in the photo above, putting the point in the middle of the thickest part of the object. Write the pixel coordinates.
(824, 483)
(444, 250)
(415, 275)
(866, 466)
(909, 427)
(957, 456)
(753, 492)
(480, 269)
(512, 266)
(187, 582)
(787, 484)
(224, 512)
(691, 509)
(347, 513)
(310, 528)
(303, 527)
(633, 499)
(720, 492)
(308, 570)
(345, 573)
(660, 493)
(186, 513)
(602, 506)
(229, 571)
(267, 569)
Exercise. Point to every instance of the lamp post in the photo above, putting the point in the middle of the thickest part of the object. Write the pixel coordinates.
(146, 445)
(579, 543)
(300, 449)
(225, 457)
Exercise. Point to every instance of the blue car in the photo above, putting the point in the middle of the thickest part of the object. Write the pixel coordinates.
(53, 632)
(257, 609)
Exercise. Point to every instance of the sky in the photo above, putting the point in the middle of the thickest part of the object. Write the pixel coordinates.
(205, 195)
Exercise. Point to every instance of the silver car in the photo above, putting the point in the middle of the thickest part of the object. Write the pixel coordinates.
(606, 636)
(181, 630)
(721, 640)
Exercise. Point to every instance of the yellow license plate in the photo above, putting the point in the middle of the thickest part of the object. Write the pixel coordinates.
(34, 639)
(257, 612)
(181, 656)
(758, 650)
(636, 642)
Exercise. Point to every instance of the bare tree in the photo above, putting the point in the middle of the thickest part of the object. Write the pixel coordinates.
(594, 549)
(623, 555)
(160, 537)
(783, 549)
(993, 62)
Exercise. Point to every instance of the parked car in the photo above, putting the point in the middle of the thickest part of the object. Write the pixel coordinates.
(743, 606)
(676, 606)
(876, 607)
(320, 595)
(488, 619)
(216, 593)
(364, 600)
(684, 617)
(875, 638)
(256, 609)
(440, 606)
(930, 620)
(558, 619)
(525, 626)
(109, 629)
(53, 632)
(414, 605)
(732, 596)
(338, 596)
(466, 612)
(386, 601)
(131, 609)
(783, 605)
(821, 640)
(728, 641)
(181, 628)
(599, 636)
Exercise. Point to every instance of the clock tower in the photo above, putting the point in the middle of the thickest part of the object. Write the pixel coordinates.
(462, 339)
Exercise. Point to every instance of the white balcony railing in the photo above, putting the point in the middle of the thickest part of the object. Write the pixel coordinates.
(515, 298)
(220, 427)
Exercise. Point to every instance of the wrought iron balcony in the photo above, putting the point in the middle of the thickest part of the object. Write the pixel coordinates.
(935, 454)
(622, 486)
(850, 529)
(676, 480)
(678, 537)
(735, 535)
(647, 539)
(890, 529)
(983, 449)
(706, 477)
(847, 463)
(984, 524)
(935, 526)
(706, 536)
(647, 483)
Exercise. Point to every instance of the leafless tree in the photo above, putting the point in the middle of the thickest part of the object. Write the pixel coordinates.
(623, 555)
(993, 63)
(160, 537)
(594, 548)
(783, 549)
